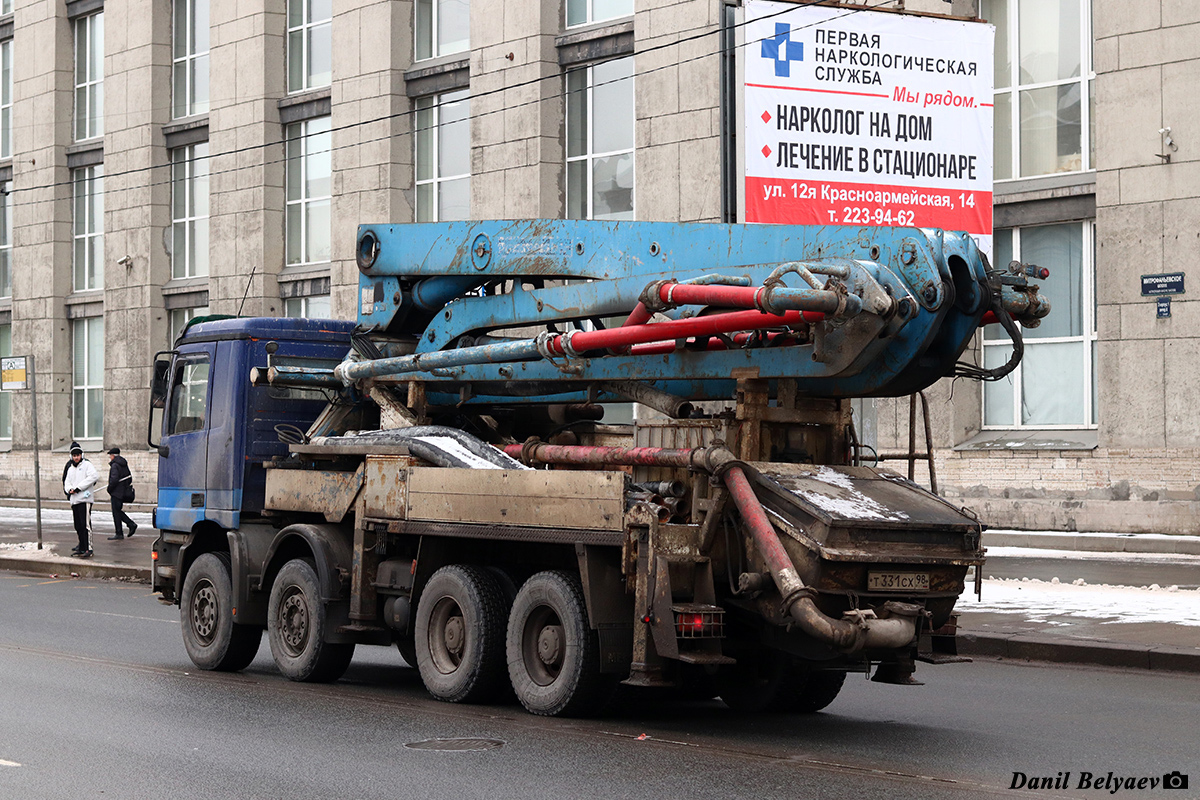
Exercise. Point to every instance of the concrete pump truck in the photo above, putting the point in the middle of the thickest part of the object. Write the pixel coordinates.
(437, 474)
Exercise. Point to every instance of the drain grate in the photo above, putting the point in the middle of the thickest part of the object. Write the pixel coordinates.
(456, 745)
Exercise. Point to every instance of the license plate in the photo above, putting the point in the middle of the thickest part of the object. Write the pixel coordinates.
(898, 581)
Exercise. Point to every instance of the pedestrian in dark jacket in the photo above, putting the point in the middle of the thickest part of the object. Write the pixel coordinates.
(120, 492)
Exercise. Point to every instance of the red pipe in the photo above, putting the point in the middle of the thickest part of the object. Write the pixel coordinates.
(623, 456)
(720, 295)
(760, 527)
(639, 316)
(662, 348)
(581, 341)
(989, 318)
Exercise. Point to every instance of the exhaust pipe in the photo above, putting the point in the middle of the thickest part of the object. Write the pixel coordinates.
(860, 630)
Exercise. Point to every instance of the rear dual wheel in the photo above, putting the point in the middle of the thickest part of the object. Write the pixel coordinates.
(297, 624)
(553, 653)
(459, 636)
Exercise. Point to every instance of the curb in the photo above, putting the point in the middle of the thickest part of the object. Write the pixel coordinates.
(1143, 543)
(1028, 647)
(81, 567)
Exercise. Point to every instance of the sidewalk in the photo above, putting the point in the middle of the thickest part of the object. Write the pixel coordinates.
(1156, 628)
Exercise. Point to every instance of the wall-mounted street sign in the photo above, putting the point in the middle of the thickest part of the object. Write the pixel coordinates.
(1167, 283)
(1163, 306)
(14, 372)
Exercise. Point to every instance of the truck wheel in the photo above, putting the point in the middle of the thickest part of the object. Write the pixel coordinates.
(296, 624)
(460, 634)
(553, 654)
(812, 692)
(210, 636)
(755, 681)
(407, 645)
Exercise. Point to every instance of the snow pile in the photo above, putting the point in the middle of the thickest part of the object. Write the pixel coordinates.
(1044, 601)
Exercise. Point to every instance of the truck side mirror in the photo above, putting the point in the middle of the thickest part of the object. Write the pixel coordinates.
(160, 384)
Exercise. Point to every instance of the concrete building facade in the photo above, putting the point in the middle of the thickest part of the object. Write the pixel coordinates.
(169, 158)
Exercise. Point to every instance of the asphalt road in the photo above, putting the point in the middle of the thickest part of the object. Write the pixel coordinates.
(97, 698)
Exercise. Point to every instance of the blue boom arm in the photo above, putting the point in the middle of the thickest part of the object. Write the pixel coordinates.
(477, 293)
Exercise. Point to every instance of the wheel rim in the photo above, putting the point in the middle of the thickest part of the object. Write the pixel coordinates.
(447, 635)
(293, 621)
(204, 612)
(543, 645)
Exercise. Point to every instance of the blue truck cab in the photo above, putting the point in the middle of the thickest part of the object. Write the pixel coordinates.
(217, 428)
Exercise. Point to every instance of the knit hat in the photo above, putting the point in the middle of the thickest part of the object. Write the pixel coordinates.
(115, 451)
(75, 448)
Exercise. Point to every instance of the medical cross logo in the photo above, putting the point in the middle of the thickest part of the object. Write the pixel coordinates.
(782, 50)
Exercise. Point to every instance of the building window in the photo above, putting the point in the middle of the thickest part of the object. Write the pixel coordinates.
(6, 98)
(442, 27)
(5, 7)
(315, 307)
(87, 381)
(583, 12)
(189, 211)
(190, 59)
(6, 239)
(178, 318)
(310, 44)
(443, 157)
(1055, 384)
(600, 145)
(5, 397)
(89, 76)
(89, 228)
(309, 182)
(1043, 78)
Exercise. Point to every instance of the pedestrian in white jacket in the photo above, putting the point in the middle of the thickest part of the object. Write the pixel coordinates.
(78, 481)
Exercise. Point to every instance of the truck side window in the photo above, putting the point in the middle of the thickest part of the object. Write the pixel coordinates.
(189, 392)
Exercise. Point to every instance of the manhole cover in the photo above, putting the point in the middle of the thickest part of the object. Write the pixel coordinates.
(456, 745)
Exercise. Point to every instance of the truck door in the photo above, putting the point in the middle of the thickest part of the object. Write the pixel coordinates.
(182, 490)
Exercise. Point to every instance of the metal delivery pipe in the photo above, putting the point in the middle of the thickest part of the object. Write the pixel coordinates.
(571, 344)
(846, 635)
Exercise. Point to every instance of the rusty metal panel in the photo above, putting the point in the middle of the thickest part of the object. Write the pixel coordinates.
(317, 491)
(537, 498)
(384, 488)
(673, 434)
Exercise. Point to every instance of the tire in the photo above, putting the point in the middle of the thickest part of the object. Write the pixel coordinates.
(813, 692)
(212, 639)
(407, 646)
(553, 654)
(755, 682)
(296, 623)
(460, 634)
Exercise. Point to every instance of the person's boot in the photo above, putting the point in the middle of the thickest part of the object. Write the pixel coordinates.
(116, 538)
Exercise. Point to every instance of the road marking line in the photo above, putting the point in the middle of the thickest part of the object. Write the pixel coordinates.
(125, 616)
(4, 763)
(60, 580)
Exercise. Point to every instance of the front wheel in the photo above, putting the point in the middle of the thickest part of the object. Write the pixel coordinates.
(212, 639)
(296, 622)
(553, 654)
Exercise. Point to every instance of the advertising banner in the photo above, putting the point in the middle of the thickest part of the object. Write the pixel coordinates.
(867, 118)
